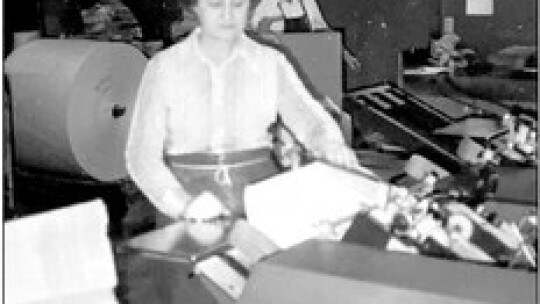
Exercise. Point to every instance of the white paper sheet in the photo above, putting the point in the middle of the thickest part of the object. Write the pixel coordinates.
(289, 207)
(59, 254)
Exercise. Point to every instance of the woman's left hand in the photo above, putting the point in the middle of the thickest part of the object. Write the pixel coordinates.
(338, 154)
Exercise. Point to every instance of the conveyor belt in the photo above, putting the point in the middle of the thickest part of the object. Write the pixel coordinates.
(404, 120)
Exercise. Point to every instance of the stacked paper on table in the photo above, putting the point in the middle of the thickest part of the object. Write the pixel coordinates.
(61, 256)
(290, 207)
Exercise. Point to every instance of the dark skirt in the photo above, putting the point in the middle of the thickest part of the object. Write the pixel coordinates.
(224, 174)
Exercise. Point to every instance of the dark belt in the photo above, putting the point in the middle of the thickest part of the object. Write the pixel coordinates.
(211, 160)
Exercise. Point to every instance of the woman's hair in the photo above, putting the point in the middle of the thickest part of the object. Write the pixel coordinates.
(192, 3)
(188, 3)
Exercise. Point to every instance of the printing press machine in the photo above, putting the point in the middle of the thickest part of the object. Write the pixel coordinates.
(449, 229)
(430, 249)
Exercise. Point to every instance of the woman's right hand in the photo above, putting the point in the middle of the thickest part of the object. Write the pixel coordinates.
(201, 214)
(205, 207)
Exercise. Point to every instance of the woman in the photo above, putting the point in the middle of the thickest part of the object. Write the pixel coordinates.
(199, 131)
(293, 16)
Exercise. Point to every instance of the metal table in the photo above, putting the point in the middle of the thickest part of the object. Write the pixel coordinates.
(158, 266)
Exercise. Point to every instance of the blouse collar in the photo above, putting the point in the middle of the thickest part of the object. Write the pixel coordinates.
(243, 48)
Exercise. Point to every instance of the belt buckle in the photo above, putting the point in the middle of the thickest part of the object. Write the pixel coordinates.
(222, 176)
(220, 158)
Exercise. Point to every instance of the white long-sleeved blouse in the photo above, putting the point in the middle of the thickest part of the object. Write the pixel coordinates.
(186, 103)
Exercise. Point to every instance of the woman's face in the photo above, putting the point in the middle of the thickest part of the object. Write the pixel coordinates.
(222, 19)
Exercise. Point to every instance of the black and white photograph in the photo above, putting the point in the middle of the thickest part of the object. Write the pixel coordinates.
(270, 152)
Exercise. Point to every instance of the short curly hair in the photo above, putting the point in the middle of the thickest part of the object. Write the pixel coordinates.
(192, 3)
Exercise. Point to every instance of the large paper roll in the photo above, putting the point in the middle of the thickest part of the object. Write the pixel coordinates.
(72, 105)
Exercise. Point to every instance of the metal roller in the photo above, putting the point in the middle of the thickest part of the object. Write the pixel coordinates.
(72, 105)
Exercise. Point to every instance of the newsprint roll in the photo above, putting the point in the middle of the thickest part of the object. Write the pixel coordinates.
(72, 105)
